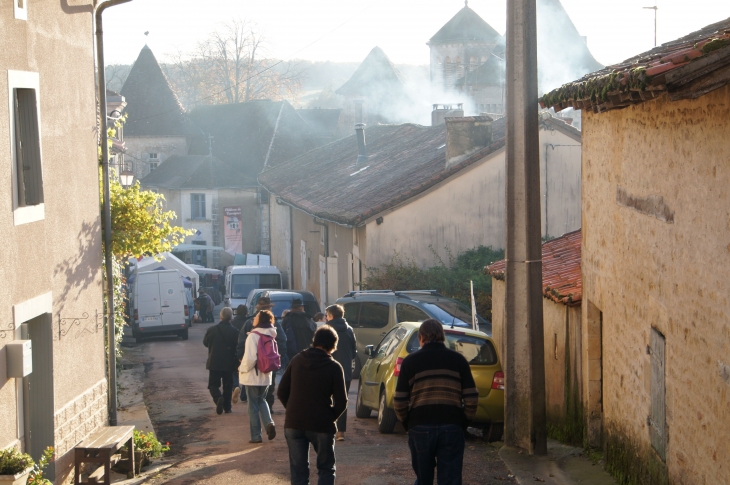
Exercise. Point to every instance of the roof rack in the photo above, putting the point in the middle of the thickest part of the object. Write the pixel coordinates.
(401, 293)
(370, 292)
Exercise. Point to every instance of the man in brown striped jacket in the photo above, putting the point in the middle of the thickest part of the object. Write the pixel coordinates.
(435, 398)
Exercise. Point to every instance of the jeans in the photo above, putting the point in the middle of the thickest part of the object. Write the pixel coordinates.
(214, 386)
(257, 404)
(324, 445)
(342, 420)
(271, 393)
(437, 446)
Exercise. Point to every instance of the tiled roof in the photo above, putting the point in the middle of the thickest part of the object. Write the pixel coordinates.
(376, 76)
(686, 68)
(403, 161)
(152, 107)
(196, 172)
(561, 276)
(465, 26)
(242, 134)
(562, 281)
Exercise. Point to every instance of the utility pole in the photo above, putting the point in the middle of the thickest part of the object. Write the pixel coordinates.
(525, 424)
(655, 8)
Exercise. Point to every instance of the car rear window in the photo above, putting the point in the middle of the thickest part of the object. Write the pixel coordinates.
(476, 350)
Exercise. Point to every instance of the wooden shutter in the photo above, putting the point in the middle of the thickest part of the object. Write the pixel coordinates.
(27, 148)
(657, 420)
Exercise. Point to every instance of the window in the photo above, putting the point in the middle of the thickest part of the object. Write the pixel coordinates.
(373, 315)
(398, 336)
(352, 313)
(153, 165)
(153, 156)
(197, 206)
(154, 161)
(409, 313)
(20, 7)
(476, 350)
(25, 131)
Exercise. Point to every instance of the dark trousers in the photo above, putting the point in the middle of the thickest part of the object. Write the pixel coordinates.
(437, 446)
(324, 445)
(214, 386)
(342, 420)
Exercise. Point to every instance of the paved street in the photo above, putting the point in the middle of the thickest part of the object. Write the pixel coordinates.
(214, 449)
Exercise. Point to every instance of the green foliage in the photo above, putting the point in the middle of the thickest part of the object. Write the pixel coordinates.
(450, 279)
(12, 461)
(36, 476)
(148, 444)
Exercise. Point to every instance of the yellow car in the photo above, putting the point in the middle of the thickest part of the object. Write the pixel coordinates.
(380, 374)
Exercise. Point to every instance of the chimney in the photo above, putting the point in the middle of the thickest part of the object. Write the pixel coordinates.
(441, 111)
(465, 136)
(362, 155)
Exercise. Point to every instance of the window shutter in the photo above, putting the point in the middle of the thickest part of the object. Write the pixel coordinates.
(28, 148)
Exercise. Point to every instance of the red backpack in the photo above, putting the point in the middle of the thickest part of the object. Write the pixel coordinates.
(267, 354)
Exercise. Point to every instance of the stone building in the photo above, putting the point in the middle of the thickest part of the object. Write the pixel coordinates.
(561, 306)
(418, 192)
(157, 126)
(51, 265)
(656, 259)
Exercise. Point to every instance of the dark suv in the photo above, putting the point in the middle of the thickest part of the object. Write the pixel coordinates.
(282, 300)
(373, 313)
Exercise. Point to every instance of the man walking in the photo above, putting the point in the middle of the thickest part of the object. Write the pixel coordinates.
(313, 392)
(345, 354)
(435, 398)
(299, 328)
(221, 342)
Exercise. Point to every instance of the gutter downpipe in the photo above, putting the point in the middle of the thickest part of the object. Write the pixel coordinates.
(326, 255)
(112, 358)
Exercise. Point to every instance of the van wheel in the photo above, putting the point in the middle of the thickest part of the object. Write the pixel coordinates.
(361, 411)
(386, 416)
(184, 334)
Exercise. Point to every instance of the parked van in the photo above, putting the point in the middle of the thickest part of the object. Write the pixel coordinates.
(240, 280)
(160, 305)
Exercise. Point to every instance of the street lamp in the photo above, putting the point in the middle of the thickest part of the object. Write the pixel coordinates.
(126, 178)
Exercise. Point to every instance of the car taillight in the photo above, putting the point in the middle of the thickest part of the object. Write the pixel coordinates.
(136, 315)
(398, 362)
(187, 314)
(498, 381)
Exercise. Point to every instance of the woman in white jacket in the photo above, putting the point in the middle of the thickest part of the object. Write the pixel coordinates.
(257, 382)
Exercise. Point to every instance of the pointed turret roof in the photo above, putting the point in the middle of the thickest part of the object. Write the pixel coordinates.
(465, 26)
(152, 107)
(375, 76)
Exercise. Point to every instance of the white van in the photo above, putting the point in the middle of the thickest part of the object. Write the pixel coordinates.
(240, 280)
(160, 305)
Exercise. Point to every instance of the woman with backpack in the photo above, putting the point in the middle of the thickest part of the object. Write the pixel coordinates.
(260, 358)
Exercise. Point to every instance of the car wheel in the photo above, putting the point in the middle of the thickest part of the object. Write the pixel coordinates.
(361, 411)
(493, 432)
(184, 334)
(386, 416)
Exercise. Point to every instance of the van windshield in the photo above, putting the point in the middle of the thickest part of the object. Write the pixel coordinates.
(242, 284)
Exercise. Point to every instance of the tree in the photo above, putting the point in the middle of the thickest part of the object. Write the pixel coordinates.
(230, 66)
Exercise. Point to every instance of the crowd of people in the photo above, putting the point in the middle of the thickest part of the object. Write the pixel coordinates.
(435, 394)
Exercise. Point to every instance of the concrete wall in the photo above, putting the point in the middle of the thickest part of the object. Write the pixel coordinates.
(138, 149)
(469, 209)
(643, 269)
(53, 266)
(281, 241)
(563, 362)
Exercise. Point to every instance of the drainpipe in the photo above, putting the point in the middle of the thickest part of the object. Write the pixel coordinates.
(326, 254)
(112, 358)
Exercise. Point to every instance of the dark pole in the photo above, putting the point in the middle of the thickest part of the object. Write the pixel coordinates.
(525, 425)
(112, 358)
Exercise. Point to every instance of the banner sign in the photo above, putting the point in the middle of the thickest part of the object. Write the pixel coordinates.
(232, 230)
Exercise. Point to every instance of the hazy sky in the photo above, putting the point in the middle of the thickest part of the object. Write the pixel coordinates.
(346, 30)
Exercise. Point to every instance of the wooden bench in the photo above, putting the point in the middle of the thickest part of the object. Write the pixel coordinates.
(99, 448)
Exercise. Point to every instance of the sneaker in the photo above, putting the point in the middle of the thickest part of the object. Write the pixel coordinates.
(255, 441)
(227, 411)
(236, 395)
(271, 431)
(219, 406)
(340, 436)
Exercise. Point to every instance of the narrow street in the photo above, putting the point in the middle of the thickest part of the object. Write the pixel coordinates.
(212, 449)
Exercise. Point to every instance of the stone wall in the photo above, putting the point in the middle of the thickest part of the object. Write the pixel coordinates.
(656, 255)
(79, 418)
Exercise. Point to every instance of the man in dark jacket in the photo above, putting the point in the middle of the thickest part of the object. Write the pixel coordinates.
(435, 398)
(264, 303)
(299, 328)
(221, 342)
(313, 392)
(241, 317)
(345, 354)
